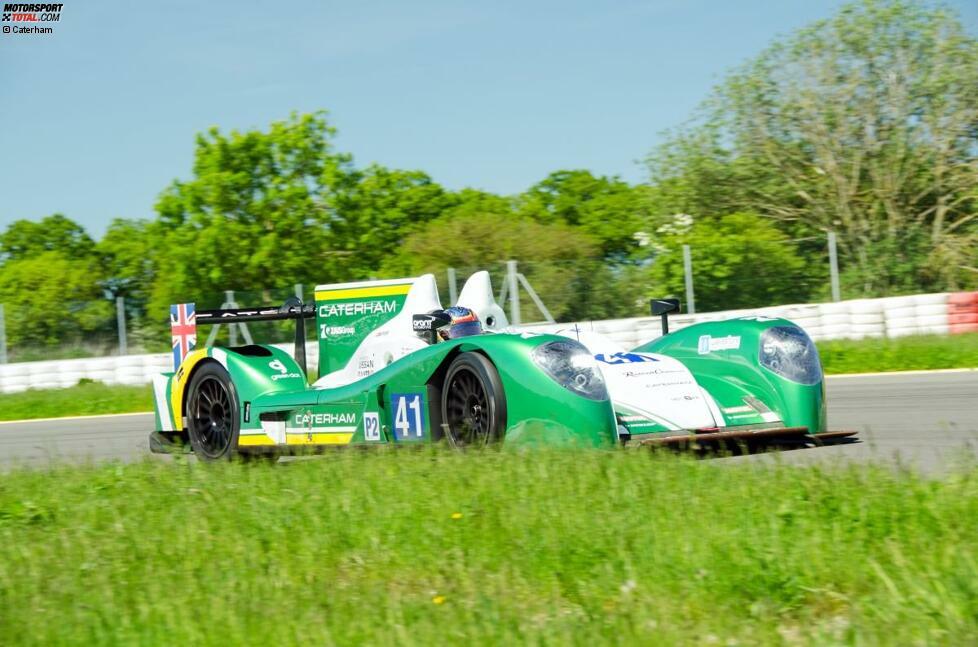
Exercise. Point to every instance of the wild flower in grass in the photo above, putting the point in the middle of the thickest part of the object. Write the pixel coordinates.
(438, 599)
(456, 515)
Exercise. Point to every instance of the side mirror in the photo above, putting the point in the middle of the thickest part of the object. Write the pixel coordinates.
(426, 326)
(662, 308)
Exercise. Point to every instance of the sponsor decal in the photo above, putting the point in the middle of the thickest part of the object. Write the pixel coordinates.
(335, 331)
(709, 344)
(310, 419)
(365, 366)
(360, 308)
(283, 371)
(624, 358)
(653, 371)
(421, 324)
(659, 385)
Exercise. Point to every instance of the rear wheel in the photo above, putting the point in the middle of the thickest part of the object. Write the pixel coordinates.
(473, 406)
(213, 413)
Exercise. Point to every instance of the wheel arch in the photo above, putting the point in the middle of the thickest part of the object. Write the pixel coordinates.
(436, 384)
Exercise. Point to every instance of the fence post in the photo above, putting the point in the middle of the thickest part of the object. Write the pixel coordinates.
(298, 291)
(834, 268)
(120, 318)
(514, 293)
(688, 271)
(3, 337)
(452, 287)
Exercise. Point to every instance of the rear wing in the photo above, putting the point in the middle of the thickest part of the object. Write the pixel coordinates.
(184, 320)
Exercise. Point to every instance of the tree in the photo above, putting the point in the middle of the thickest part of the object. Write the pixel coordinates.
(609, 210)
(53, 299)
(24, 238)
(376, 210)
(740, 260)
(257, 212)
(865, 124)
(560, 262)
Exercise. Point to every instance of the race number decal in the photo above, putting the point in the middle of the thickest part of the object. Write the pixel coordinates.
(408, 416)
(371, 426)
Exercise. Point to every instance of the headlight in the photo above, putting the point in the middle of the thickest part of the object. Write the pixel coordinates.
(573, 367)
(789, 352)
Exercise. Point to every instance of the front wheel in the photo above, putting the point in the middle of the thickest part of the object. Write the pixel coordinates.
(213, 413)
(473, 405)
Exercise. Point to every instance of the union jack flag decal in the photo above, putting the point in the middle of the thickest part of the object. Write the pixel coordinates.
(183, 329)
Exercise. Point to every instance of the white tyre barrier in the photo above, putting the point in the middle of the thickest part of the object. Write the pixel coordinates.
(841, 307)
(862, 319)
(931, 299)
(70, 378)
(835, 320)
(834, 331)
(901, 313)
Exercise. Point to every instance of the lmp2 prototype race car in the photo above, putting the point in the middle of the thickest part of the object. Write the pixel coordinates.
(394, 367)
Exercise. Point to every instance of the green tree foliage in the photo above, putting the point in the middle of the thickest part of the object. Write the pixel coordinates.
(558, 260)
(376, 210)
(740, 260)
(24, 238)
(50, 298)
(865, 124)
(608, 209)
(257, 211)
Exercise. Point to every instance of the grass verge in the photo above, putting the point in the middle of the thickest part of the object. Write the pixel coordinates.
(923, 352)
(93, 398)
(428, 547)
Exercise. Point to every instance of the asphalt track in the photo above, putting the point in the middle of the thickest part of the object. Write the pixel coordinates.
(928, 420)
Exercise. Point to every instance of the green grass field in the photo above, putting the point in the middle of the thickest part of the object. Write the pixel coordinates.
(843, 356)
(429, 547)
(922, 352)
(85, 399)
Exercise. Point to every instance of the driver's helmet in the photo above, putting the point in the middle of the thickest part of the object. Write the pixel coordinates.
(464, 323)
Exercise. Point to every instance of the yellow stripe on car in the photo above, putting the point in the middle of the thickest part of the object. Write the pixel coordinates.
(360, 293)
(319, 439)
(180, 382)
(253, 440)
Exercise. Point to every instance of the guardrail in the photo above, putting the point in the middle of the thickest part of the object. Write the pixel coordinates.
(945, 313)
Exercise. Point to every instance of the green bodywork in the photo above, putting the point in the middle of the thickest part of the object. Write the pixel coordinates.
(401, 402)
(730, 376)
(538, 409)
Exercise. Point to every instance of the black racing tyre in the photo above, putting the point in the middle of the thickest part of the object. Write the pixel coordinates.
(213, 413)
(473, 405)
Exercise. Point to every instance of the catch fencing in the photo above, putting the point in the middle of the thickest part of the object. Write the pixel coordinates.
(941, 314)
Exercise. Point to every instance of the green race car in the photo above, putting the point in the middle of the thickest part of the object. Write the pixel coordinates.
(385, 377)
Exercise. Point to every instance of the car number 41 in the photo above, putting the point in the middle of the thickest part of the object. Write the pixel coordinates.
(408, 418)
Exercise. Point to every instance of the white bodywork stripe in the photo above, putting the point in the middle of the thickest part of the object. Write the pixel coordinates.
(274, 429)
(300, 431)
(162, 406)
(714, 409)
(221, 356)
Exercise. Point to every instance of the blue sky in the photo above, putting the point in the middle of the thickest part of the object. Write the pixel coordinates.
(100, 116)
